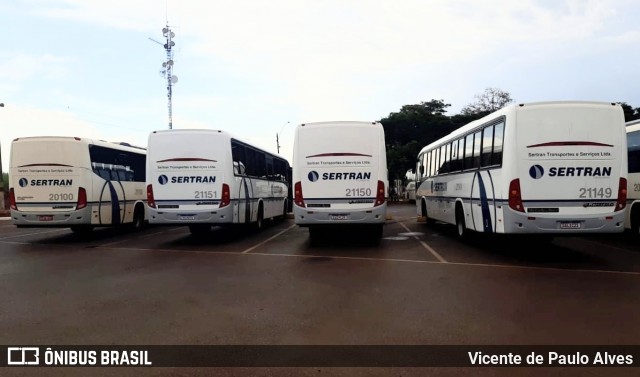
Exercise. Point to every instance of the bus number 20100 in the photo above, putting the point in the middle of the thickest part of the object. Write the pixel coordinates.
(67, 197)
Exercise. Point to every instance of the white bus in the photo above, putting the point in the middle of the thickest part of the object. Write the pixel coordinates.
(77, 183)
(340, 175)
(632, 220)
(202, 178)
(549, 167)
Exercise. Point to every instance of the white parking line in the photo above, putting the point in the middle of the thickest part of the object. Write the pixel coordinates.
(603, 244)
(424, 244)
(132, 239)
(267, 240)
(36, 233)
(309, 256)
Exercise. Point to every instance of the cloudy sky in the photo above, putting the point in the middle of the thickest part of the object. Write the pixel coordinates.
(88, 68)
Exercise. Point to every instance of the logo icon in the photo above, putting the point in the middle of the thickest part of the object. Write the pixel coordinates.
(23, 356)
(313, 176)
(23, 182)
(163, 179)
(536, 172)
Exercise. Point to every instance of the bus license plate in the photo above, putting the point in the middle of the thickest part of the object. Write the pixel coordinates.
(341, 216)
(186, 217)
(570, 225)
(45, 218)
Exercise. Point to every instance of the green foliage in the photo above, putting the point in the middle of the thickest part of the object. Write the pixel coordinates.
(5, 180)
(492, 99)
(629, 112)
(414, 127)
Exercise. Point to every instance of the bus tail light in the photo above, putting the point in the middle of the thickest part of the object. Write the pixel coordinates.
(82, 198)
(12, 200)
(380, 199)
(226, 196)
(622, 195)
(297, 192)
(150, 201)
(515, 196)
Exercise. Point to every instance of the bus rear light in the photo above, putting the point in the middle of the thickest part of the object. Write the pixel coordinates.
(380, 197)
(515, 196)
(622, 195)
(298, 199)
(12, 200)
(226, 196)
(150, 201)
(82, 198)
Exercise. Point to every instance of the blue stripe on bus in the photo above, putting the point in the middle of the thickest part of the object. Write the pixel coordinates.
(484, 205)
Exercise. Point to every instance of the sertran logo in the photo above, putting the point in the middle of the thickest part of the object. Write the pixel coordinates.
(313, 176)
(163, 179)
(23, 182)
(536, 172)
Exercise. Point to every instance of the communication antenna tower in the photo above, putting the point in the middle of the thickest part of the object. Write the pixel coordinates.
(167, 66)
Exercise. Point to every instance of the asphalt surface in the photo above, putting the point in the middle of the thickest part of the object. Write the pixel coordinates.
(418, 285)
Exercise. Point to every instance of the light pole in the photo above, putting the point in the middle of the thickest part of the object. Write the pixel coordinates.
(278, 138)
(1, 175)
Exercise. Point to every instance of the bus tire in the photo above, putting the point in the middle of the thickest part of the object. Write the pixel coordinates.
(284, 211)
(199, 229)
(425, 214)
(260, 219)
(138, 218)
(377, 231)
(461, 227)
(81, 229)
(635, 220)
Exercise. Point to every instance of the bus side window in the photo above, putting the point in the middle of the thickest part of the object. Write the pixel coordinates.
(477, 142)
(468, 152)
(496, 157)
(487, 146)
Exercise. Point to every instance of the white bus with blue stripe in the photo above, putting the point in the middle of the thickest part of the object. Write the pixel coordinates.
(548, 167)
(632, 220)
(340, 175)
(77, 183)
(202, 178)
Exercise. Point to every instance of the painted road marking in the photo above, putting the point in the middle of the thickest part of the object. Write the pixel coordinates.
(424, 244)
(308, 256)
(36, 233)
(267, 240)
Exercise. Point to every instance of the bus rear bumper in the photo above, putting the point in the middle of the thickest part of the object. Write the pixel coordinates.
(51, 219)
(526, 223)
(311, 216)
(213, 216)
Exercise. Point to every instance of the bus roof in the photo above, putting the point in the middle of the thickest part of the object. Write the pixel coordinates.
(113, 145)
(504, 111)
(222, 132)
(633, 125)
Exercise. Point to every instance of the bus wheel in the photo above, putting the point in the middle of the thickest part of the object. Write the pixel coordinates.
(81, 229)
(635, 220)
(461, 226)
(377, 231)
(425, 214)
(199, 229)
(260, 220)
(138, 218)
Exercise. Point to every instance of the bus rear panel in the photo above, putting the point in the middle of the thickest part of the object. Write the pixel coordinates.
(186, 177)
(340, 174)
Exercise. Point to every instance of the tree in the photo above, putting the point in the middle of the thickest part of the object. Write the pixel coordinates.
(491, 100)
(412, 128)
(629, 112)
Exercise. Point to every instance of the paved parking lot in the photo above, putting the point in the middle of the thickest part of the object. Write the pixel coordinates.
(418, 285)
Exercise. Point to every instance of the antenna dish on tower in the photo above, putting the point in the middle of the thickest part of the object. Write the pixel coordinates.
(167, 66)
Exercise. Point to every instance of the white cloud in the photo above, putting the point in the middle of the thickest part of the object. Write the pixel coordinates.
(19, 66)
